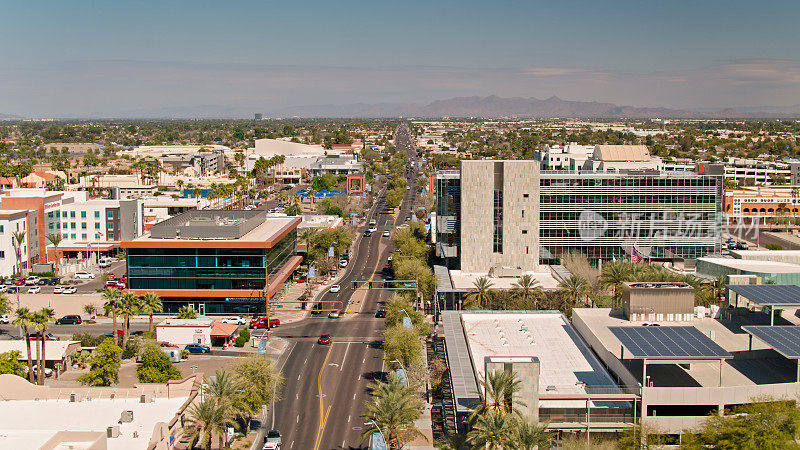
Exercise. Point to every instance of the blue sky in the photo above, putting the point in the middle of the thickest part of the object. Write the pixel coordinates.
(82, 58)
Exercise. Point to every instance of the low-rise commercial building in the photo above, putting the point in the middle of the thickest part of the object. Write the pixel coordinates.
(219, 262)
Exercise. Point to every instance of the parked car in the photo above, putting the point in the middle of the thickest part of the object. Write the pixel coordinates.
(48, 337)
(48, 372)
(12, 290)
(5, 319)
(9, 281)
(34, 289)
(42, 282)
(3, 288)
(336, 288)
(70, 319)
(53, 281)
(324, 339)
(31, 280)
(271, 446)
(235, 320)
(69, 290)
(334, 315)
(104, 262)
(19, 282)
(84, 276)
(380, 313)
(111, 283)
(58, 290)
(197, 348)
(261, 322)
(385, 233)
(342, 263)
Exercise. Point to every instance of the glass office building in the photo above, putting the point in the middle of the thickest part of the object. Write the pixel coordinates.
(241, 259)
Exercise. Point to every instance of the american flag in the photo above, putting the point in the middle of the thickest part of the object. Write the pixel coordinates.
(638, 257)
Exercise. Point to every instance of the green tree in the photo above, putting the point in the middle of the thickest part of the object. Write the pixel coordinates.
(394, 408)
(480, 295)
(156, 366)
(24, 319)
(111, 305)
(573, 291)
(528, 290)
(261, 382)
(527, 435)
(10, 363)
(491, 431)
(186, 312)
(613, 275)
(499, 389)
(205, 420)
(151, 304)
(42, 319)
(128, 306)
(55, 240)
(104, 365)
(402, 344)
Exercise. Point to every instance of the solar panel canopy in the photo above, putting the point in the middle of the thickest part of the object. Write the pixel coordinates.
(769, 294)
(668, 343)
(783, 339)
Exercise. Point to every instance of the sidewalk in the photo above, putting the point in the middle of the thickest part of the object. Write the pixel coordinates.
(424, 425)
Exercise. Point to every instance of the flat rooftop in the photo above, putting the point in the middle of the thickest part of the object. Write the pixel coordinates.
(567, 365)
(465, 281)
(217, 229)
(750, 265)
(31, 423)
(760, 366)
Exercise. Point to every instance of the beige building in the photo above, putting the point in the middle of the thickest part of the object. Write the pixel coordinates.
(658, 301)
(499, 220)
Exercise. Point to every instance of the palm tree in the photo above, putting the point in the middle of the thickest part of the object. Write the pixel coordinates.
(226, 390)
(480, 295)
(526, 435)
(614, 274)
(206, 419)
(186, 312)
(151, 304)
(528, 289)
(573, 291)
(499, 389)
(55, 240)
(491, 431)
(43, 317)
(111, 296)
(307, 235)
(128, 306)
(394, 408)
(24, 320)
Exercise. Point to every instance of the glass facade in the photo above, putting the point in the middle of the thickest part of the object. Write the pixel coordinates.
(497, 222)
(448, 216)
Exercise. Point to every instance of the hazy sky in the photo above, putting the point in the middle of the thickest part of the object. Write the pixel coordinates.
(102, 58)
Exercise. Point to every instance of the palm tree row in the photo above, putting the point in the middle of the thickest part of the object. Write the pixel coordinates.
(37, 321)
(525, 294)
(499, 423)
(127, 305)
(392, 409)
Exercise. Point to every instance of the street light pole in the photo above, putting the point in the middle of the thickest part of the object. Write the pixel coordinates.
(404, 369)
(373, 423)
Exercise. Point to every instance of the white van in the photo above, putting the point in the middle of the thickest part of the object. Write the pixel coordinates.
(104, 262)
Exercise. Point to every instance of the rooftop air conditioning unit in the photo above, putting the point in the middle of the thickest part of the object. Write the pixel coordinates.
(74, 397)
(146, 398)
(112, 431)
(126, 417)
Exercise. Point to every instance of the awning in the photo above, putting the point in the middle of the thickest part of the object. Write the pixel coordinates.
(283, 274)
(223, 330)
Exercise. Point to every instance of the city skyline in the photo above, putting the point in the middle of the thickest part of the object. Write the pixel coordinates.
(127, 60)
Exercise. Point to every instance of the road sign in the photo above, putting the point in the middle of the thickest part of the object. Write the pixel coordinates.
(274, 305)
(262, 346)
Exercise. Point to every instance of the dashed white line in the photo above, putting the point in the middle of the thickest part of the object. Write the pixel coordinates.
(298, 418)
(364, 360)
(359, 376)
(298, 376)
(348, 418)
(291, 445)
(304, 362)
(345, 357)
(354, 396)
(342, 444)
(297, 396)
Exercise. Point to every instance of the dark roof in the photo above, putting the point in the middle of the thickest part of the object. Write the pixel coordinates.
(669, 343)
(783, 339)
(768, 294)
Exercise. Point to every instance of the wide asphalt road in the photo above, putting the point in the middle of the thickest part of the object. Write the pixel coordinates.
(326, 385)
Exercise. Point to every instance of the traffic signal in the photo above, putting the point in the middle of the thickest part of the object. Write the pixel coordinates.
(355, 285)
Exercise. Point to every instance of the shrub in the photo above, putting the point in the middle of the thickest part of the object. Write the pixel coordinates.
(239, 342)
(88, 340)
(774, 247)
(245, 333)
(156, 367)
(184, 354)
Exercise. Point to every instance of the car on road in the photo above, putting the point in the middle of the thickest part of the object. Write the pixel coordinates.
(84, 276)
(34, 289)
(12, 290)
(372, 222)
(367, 233)
(53, 281)
(336, 288)
(48, 336)
(70, 319)
(5, 319)
(31, 280)
(324, 339)
(235, 320)
(380, 313)
(334, 315)
(104, 262)
(197, 348)
(385, 233)
(111, 283)
(69, 290)
(261, 322)
(42, 282)
(274, 437)
(342, 263)
(271, 446)
(19, 282)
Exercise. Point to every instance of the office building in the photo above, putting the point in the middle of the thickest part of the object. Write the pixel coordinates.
(620, 214)
(219, 262)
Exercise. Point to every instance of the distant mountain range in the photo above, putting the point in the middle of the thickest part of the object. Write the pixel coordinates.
(491, 106)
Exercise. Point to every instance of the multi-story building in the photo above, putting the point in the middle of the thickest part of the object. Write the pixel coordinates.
(219, 262)
(12, 221)
(564, 157)
(44, 207)
(629, 213)
(101, 220)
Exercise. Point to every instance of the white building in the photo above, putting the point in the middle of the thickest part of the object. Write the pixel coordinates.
(12, 221)
(185, 331)
(564, 157)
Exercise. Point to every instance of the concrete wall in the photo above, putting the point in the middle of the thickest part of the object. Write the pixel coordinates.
(519, 181)
(527, 370)
(182, 335)
(611, 362)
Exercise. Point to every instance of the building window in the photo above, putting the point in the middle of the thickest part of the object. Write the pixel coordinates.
(50, 226)
(524, 231)
(72, 214)
(72, 225)
(497, 237)
(97, 214)
(525, 195)
(110, 225)
(83, 214)
(110, 214)
(523, 213)
(83, 235)
(64, 214)
(83, 225)
(72, 236)
(97, 225)
(1, 228)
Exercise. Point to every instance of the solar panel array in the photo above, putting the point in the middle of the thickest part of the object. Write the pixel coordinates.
(768, 294)
(784, 339)
(668, 343)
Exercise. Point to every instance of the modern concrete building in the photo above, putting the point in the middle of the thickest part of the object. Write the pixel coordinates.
(658, 301)
(767, 271)
(219, 262)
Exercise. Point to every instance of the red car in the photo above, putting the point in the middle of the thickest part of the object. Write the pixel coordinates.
(325, 339)
(261, 322)
(20, 282)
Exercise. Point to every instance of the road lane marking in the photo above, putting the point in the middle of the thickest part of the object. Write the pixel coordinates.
(348, 418)
(321, 405)
(354, 396)
(291, 445)
(297, 396)
(324, 422)
(341, 366)
(298, 419)
(298, 376)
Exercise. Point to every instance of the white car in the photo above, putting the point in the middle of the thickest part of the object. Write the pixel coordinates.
(34, 289)
(5, 319)
(31, 280)
(342, 263)
(336, 288)
(235, 320)
(58, 289)
(385, 233)
(372, 229)
(69, 290)
(84, 276)
(333, 315)
(3, 288)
